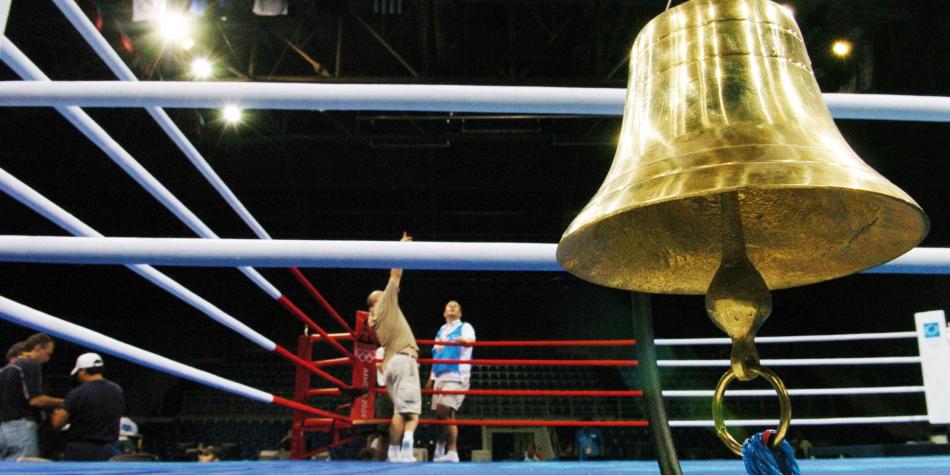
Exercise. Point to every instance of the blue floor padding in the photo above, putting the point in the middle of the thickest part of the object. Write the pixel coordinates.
(865, 466)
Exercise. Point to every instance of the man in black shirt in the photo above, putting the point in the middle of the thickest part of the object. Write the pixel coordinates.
(93, 411)
(21, 398)
(14, 352)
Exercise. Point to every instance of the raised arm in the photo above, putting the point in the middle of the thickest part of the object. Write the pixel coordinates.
(396, 274)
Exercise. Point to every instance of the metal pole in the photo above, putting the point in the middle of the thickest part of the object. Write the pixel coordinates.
(653, 392)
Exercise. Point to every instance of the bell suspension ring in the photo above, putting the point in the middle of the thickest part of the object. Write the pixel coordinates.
(785, 408)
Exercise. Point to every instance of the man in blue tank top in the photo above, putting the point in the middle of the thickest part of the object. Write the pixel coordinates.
(450, 377)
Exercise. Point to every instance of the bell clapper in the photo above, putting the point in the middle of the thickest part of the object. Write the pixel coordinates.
(738, 302)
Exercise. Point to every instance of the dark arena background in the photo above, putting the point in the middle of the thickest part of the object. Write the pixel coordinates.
(339, 175)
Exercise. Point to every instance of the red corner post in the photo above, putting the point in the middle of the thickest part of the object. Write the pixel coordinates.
(298, 434)
(364, 380)
(364, 369)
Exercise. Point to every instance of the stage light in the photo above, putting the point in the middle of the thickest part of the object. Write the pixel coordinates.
(173, 26)
(201, 68)
(232, 114)
(842, 48)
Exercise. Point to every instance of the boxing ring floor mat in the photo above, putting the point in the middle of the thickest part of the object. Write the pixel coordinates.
(865, 466)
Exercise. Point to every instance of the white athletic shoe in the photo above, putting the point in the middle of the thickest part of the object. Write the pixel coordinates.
(393, 454)
(449, 457)
(407, 458)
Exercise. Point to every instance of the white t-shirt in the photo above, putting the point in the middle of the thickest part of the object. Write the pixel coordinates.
(465, 370)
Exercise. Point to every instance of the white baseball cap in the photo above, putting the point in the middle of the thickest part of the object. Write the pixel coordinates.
(87, 360)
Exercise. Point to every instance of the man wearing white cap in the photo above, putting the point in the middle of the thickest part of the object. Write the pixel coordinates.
(92, 410)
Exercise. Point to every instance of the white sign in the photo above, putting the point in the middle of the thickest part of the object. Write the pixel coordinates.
(934, 344)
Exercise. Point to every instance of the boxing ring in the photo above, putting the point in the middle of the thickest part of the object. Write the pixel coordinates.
(355, 344)
(363, 369)
(884, 466)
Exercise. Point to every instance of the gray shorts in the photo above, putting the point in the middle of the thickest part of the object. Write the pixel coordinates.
(402, 381)
(449, 400)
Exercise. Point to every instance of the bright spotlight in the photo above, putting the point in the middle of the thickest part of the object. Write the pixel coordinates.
(201, 68)
(173, 26)
(842, 48)
(187, 43)
(232, 114)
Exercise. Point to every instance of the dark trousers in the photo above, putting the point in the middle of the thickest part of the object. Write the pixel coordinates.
(83, 451)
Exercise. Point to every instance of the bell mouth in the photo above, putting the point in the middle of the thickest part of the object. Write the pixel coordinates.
(721, 100)
(794, 236)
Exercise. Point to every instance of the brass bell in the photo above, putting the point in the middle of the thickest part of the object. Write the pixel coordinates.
(722, 101)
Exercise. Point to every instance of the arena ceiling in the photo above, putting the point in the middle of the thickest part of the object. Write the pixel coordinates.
(443, 177)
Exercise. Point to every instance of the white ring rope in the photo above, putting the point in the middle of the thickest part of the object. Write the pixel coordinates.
(853, 391)
(874, 360)
(22, 315)
(25, 316)
(282, 253)
(798, 392)
(408, 98)
(789, 339)
(95, 39)
(62, 218)
(340, 254)
(4, 14)
(13, 57)
(829, 421)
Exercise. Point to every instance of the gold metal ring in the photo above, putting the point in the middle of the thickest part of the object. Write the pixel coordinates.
(785, 407)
